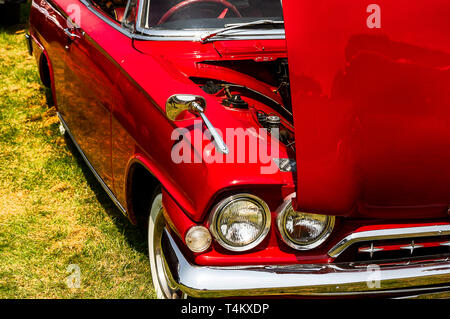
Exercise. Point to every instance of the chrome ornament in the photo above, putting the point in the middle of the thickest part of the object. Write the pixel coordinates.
(370, 250)
(411, 247)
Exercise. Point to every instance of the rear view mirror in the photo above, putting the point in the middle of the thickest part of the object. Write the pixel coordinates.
(179, 103)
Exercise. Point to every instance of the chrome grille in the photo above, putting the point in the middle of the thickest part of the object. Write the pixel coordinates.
(396, 249)
(393, 243)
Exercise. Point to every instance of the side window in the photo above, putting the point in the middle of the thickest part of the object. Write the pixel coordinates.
(115, 9)
(129, 18)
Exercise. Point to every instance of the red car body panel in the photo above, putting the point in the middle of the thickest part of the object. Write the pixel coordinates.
(132, 108)
(371, 106)
(378, 161)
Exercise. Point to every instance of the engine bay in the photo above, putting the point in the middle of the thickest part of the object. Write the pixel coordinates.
(269, 102)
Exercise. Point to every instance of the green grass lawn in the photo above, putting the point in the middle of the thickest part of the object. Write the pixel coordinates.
(53, 213)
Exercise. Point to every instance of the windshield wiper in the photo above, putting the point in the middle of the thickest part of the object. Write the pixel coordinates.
(206, 36)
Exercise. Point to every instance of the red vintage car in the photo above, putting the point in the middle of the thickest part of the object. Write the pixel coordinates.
(273, 148)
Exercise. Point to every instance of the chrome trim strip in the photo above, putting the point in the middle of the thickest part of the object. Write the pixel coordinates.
(393, 233)
(29, 44)
(443, 293)
(300, 279)
(97, 176)
(195, 35)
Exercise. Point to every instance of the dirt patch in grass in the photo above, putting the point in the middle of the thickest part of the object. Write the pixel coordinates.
(53, 213)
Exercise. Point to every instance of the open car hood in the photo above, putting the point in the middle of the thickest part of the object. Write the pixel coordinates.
(371, 102)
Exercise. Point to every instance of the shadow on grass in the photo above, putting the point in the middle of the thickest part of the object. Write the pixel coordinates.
(15, 30)
(23, 21)
(134, 235)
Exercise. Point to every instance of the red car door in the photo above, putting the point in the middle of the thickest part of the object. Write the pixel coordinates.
(89, 78)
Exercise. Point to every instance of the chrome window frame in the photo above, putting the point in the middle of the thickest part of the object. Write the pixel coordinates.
(189, 35)
(119, 27)
(124, 23)
(182, 35)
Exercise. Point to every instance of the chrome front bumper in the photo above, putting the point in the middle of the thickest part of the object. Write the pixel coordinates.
(324, 280)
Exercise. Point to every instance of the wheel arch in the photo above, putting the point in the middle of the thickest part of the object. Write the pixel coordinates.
(140, 184)
(44, 70)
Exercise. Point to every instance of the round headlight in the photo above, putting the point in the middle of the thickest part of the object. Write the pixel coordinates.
(303, 231)
(240, 222)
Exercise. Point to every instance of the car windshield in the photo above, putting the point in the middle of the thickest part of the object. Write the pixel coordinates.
(208, 14)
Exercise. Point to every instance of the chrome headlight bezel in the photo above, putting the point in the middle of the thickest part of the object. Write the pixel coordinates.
(281, 224)
(219, 208)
